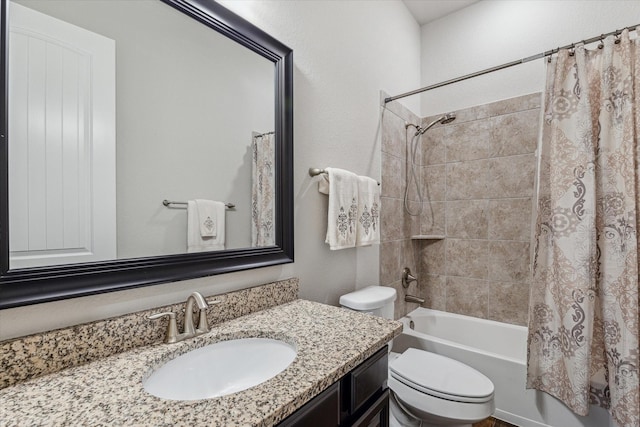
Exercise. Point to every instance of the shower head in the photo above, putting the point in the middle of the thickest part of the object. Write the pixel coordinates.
(446, 119)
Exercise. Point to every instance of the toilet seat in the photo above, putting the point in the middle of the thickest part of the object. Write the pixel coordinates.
(441, 377)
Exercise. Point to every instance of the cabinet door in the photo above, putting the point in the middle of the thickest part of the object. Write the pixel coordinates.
(322, 411)
(365, 383)
(377, 415)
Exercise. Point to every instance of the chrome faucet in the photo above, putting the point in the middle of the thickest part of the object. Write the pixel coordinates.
(413, 298)
(189, 330)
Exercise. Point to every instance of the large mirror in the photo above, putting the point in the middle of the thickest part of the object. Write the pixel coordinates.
(143, 142)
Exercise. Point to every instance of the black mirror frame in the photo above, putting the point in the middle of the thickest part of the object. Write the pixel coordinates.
(42, 284)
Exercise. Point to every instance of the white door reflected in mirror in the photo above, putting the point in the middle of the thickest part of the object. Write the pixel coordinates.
(188, 104)
(62, 184)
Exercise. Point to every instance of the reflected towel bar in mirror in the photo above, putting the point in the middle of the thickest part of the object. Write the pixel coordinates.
(169, 203)
(318, 171)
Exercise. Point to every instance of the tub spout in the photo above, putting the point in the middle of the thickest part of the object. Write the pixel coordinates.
(412, 298)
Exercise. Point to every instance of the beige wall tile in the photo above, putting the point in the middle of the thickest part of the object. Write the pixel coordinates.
(467, 180)
(466, 258)
(433, 146)
(413, 221)
(393, 176)
(468, 141)
(509, 302)
(433, 288)
(393, 134)
(511, 176)
(467, 296)
(511, 105)
(467, 219)
(390, 253)
(515, 133)
(411, 182)
(510, 219)
(394, 223)
(433, 182)
(432, 220)
(509, 261)
(432, 256)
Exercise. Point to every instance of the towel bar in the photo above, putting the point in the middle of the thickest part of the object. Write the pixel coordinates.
(318, 171)
(168, 203)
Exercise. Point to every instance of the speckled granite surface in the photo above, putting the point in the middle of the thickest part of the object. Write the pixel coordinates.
(330, 342)
(40, 354)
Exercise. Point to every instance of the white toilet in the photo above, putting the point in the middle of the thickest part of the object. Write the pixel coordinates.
(427, 389)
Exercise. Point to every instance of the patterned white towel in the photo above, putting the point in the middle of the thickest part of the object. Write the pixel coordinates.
(208, 217)
(195, 241)
(342, 188)
(368, 226)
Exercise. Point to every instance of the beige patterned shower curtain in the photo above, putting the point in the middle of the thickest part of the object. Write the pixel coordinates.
(262, 189)
(583, 318)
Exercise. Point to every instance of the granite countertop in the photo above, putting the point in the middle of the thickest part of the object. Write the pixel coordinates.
(330, 342)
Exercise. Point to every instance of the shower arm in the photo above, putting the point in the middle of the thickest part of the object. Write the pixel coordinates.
(447, 118)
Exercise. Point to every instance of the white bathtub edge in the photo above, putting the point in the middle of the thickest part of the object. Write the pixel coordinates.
(517, 420)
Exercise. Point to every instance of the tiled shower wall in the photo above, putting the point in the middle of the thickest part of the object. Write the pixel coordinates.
(397, 250)
(477, 175)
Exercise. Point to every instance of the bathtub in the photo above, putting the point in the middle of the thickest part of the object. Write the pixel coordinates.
(498, 350)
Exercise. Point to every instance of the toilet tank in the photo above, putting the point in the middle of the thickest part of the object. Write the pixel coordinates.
(376, 300)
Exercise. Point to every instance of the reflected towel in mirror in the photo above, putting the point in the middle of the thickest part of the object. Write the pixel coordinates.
(195, 241)
(208, 217)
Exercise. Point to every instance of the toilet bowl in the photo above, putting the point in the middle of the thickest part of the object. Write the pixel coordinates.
(427, 389)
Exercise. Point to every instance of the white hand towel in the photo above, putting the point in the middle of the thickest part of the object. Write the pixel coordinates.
(195, 241)
(207, 217)
(368, 225)
(343, 207)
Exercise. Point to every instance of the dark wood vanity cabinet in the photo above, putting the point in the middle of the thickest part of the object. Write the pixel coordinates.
(359, 399)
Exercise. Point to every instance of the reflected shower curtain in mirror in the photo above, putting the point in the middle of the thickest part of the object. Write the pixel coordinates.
(583, 317)
(262, 191)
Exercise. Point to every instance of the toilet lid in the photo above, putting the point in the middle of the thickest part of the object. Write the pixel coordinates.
(369, 298)
(440, 376)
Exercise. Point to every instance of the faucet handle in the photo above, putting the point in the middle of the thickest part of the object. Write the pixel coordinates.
(172, 328)
(407, 277)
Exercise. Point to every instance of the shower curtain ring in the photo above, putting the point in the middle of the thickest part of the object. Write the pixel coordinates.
(618, 33)
(572, 50)
(601, 44)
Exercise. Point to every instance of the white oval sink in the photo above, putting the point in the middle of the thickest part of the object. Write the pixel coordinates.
(219, 369)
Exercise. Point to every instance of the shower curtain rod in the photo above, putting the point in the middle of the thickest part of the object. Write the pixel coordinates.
(509, 64)
(260, 135)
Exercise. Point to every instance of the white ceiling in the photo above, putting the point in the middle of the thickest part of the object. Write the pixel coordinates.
(425, 11)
